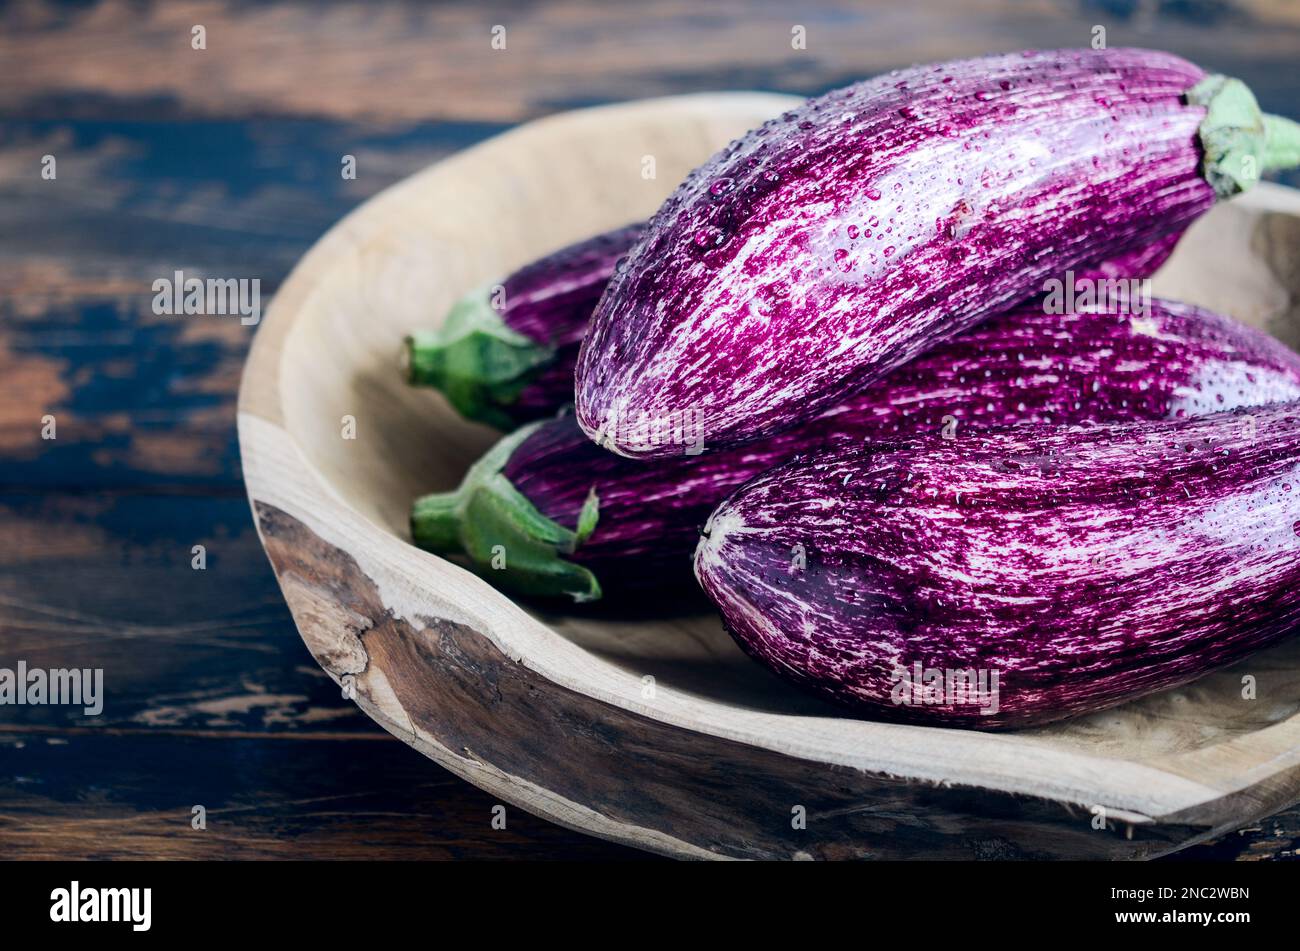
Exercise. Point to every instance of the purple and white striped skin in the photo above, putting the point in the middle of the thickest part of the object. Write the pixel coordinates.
(507, 351)
(1137, 263)
(828, 246)
(550, 302)
(1084, 567)
(1024, 366)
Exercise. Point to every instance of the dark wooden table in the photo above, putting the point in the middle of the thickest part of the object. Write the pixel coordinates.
(225, 162)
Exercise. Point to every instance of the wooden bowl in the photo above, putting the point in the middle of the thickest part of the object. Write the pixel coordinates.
(657, 732)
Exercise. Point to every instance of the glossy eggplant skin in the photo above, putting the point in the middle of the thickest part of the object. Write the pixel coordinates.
(828, 246)
(1023, 367)
(506, 351)
(1082, 566)
(550, 302)
(1138, 262)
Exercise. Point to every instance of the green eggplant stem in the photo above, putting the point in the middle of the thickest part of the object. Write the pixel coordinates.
(1239, 141)
(435, 522)
(502, 534)
(478, 362)
(1281, 143)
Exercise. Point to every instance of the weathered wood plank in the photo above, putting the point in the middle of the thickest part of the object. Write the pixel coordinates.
(403, 62)
(139, 398)
(210, 698)
(115, 796)
(1276, 838)
(106, 582)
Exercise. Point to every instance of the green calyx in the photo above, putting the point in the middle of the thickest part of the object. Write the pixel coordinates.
(479, 363)
(1240, 142)
(503, 535)
(1281, 143)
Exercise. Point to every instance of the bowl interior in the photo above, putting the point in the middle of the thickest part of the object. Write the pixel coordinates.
(411, 251)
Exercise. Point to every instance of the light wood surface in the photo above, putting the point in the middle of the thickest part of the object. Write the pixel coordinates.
(551, 711)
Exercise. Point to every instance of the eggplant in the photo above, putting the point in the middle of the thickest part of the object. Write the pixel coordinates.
(1019, 576)
(506, 351)
(518, 365)
(556, 514)
(842, 239)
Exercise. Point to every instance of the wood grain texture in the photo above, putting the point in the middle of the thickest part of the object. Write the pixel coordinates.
(610, 772)
(113, 795)
(326, 60)
(210, 700)
(226, 163)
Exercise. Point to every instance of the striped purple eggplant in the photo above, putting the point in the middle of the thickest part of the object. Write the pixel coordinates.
(834, 243)
(516, 364)
(505, 353)
(571, 518)
(1017, 576)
